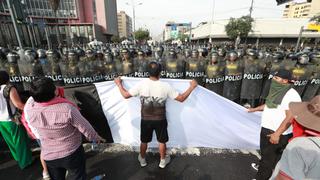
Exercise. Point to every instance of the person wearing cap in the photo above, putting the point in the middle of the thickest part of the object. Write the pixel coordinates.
(275, 111)
(153, 95)
(301, 158)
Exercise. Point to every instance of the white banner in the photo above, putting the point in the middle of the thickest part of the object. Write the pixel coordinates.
(205, 119)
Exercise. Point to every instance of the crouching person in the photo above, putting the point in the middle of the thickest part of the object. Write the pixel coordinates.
(60, 126)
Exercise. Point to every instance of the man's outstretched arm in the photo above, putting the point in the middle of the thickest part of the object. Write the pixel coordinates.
(182, 97)
(123, 91)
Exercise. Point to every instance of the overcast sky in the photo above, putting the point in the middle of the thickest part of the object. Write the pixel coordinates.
(153, 14)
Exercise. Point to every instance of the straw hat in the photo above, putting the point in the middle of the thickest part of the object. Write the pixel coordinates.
(307, 113)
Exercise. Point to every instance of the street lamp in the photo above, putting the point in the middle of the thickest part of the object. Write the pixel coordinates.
(133, 5)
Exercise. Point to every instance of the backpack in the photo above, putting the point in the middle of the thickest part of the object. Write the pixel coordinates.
(16, 117)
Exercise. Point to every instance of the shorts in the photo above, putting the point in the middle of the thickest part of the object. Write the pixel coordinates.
(147, 127)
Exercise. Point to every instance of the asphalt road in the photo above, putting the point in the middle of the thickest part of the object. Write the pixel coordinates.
(121, 164)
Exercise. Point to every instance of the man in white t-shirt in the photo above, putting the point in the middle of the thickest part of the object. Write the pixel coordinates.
(153, 95)
(274, 113)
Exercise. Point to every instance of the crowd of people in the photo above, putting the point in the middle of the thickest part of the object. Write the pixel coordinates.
(280, 82)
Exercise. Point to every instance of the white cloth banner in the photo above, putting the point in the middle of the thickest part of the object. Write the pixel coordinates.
(205, 119)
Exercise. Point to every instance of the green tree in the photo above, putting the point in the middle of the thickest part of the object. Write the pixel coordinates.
(142, 35)
(182, 37)
(239, 27)
(115, 39)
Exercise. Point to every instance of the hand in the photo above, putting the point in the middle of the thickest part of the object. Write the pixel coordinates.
(193, 84)
(118, 81)
(274, 138)
(100, 140)
(251, 110)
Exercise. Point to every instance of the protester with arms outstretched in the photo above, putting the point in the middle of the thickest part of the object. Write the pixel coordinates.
(153, 94)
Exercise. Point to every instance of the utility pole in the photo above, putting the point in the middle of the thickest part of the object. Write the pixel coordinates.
(299, 39)
(251, 8)
(211, 24)
(133, 5)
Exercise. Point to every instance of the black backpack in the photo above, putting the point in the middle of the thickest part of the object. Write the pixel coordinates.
(16, 117)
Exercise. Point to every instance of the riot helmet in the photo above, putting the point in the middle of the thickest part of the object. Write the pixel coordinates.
(315, 57)
(159, 51)
(214, 57)
(41, 53)
(251, 53)
(277, 56)
(90, 53)
(303, 59)
(72, 56)
(125, 53)
(203, 52)
(240, 52)
(261, 55)
(108, 57)
(115, 52)
(292, 56)
(187, 53)
(232, 56)
(13, 57)
(172, 54)
(194, 54)
(29, 55)
(221, 52)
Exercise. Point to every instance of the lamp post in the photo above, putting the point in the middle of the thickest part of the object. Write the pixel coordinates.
(133, 5)
(211, 24)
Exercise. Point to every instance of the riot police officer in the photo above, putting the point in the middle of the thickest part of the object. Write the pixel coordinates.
(70, 69)
(314, 84)
(301, 73)
(127, 68)
(233, 77)
(141, 65)
(13, 70)
(51, 68)
(30, 68)
(214, 77)
(175, 67)
(195, 69)
(110, 69)
(275, 65)
(252, 79)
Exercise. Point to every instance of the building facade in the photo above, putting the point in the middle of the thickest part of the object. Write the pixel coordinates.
(174, 31)
(75, 21)
(284, 31)
(124, 25)
(306, 9)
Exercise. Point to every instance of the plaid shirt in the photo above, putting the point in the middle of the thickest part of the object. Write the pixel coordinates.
(60, 127)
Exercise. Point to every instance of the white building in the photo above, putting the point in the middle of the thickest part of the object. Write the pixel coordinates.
(264, 30)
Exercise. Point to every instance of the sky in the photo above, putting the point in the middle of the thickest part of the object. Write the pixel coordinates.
(153, 14)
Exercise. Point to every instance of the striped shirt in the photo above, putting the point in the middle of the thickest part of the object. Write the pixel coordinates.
(60, 127)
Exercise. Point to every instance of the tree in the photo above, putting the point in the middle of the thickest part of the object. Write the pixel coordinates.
(239, 27)
(142, 35)
(115, 39)
(182, 37)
